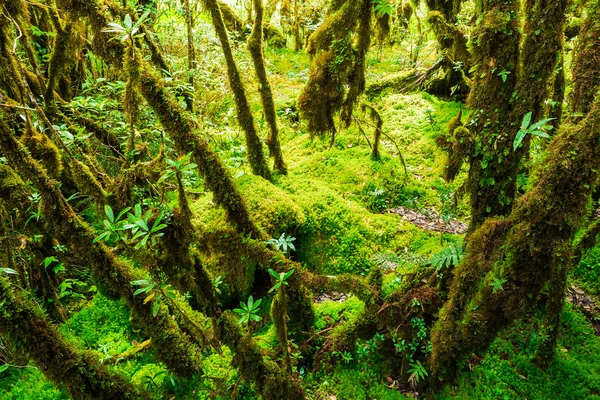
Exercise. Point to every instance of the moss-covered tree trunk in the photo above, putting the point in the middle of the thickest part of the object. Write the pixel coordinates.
(256, 48)
(254, 148)
(189, 25)
(79, 372)
(492, 177)
(183, 131)
(279, 314)
(500, 101)
(453, 44)
(586, 74)
(508, 262)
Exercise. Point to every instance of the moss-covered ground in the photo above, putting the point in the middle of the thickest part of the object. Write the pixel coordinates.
(333, 203)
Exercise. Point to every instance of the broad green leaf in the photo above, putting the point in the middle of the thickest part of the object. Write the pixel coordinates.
(127, 23)
(8, 271)
(519, 138)
(541, 134)
(255, 317)
(526, 120)
(142, 224)
(540, 123)
(123, 213)
(288, 274)
(273, 273)
(155, 308)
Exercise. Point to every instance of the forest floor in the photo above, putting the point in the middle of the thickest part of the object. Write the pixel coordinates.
(336, 202)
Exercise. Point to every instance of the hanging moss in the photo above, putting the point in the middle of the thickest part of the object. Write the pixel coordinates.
(42, 149)
(337, 61)
(245, 119)
(99, 17)
(256, 48)
(12, 188)
(184, 134)
(79, 372)
(59, 58)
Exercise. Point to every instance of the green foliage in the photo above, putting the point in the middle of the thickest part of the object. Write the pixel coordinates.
(538, 129)
(496, 285)
(113, 226)
(283, 243)
(182, 166)
(383, 7)
(128, 30)
(137, 223)
(154, 292)
(448, 257)
(27, 384)
(8, 271)
(417, 372)
(280, 279)
(249, 311)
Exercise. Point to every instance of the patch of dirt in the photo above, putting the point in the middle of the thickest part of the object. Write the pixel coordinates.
(333, 296)
(586, 304)
(429, 220)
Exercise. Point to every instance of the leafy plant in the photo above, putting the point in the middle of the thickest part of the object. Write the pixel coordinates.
(57, 266)
(280, 279)
(113, 225)
(138, 223)
(537, 129)
(217, 282)
(346, 356)
(35, 199)
(383, 7)
(449, 256)
(249, 311)
(417, 372)
(155, 292)
(8, 271)
(504, 75)
(497, 285)
(178, 167)
(128, 30)
(284, 243)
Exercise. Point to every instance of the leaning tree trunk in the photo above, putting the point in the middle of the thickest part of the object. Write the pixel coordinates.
(256, 46)
(112, 275)
(79, 372)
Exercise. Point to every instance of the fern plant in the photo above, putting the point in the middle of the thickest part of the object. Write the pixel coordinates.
(448, 257)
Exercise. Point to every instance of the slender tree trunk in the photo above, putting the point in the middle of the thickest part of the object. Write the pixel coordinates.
(256, 48)
(256, 157)
(189, 23)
